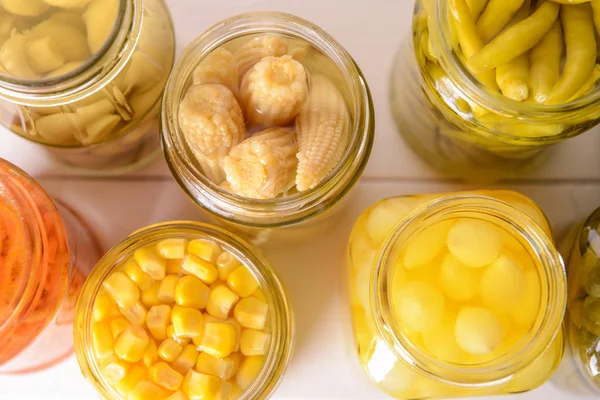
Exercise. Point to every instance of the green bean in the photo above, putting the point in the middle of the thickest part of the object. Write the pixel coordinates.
(545, 58)
(469, 39)
(589, 83)
(516, 40)
(476, 7)
(571, 1)
(495, 17)
(580, 40)
(596, 10)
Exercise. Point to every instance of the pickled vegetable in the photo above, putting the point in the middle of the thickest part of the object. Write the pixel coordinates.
(460, 290)
(275, 82)
(187, 340)
(583, 272)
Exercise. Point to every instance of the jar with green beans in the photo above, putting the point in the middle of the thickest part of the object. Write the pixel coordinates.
(496, 82)
(583, 276)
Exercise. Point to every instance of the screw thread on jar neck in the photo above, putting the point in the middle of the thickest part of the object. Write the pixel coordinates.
(550, 269)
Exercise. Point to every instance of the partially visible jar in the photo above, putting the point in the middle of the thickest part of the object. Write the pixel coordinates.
(583, 321)
(142, 321)
(467, 128)
(86, 82)
(46, 252)
(443, 307)
(245, 41)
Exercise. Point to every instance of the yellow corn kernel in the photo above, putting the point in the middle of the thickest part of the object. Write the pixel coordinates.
(186, 360)
(273, 91)
(254, 343)
(249, 370)
(260, 295)
(174, 267)
(218, 67)
(157, 321)
(163, 375)
(204, 249)
(179, 395)
(150, 296)
(122, 289)
(169, 350)
(166, 291)
(238, 329)
(226, 262)
(220, 301)
(242, 282)
(136, 315)
(133, 377)
(219, 340)
(224, 368)
(187, 322)
(256, 49)
(104, 307)
(171, 249)
(151, 263)
(225, 391)
(132, 343)
(198, 386)
(117, 326)
(115, 370)
(263, 166)
(323, 130)
(135, 273)
(150, 355)
(102, 339)
(250, 312)
(212, 122)
(191, 292)
(200, 268)
(236, 392)
(171, 334)
(145, 390)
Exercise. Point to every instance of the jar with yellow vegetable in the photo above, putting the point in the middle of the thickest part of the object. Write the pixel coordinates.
(183, 310)
(456, 295)
(84, 78)
(267, 122)
(583, 321)
(483, 88)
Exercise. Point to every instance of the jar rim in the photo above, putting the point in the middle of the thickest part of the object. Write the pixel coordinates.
(92, 76)
(550, 268)
(282, 341)
(477, 92)
(282, 210)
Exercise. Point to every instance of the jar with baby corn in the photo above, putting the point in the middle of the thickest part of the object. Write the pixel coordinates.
(456, 295)
(482, 88)
(46, 252)
(267, 123)
(183, 310)
(84, 78)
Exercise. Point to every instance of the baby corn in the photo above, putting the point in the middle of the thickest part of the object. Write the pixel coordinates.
(274, 90)
(323, 129)
(218, 67)
(258, 48)
(264, 165)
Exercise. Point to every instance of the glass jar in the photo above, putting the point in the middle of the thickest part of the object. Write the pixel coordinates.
(258, 219)
(583, 272)
(409, 360)
(46, 252)
(98, 111)
(460, 126)
(279, 320)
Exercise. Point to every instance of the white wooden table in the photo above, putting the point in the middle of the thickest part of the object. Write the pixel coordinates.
(324, 365)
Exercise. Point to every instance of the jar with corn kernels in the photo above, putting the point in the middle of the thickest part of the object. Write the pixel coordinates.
(84, 78)
(456, 295)
(483, 89)
(267, 123)
(183, 310)
(46, 252)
